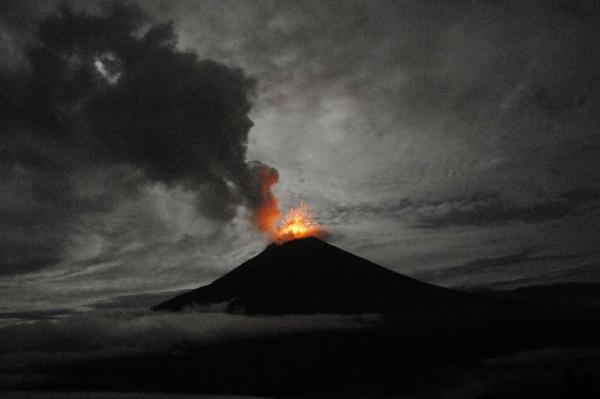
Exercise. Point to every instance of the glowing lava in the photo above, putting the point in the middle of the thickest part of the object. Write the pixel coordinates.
(297, 223)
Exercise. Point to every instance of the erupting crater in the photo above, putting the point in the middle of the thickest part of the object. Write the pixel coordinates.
(297, 223)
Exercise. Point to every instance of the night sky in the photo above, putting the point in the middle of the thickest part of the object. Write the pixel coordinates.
(457, 143)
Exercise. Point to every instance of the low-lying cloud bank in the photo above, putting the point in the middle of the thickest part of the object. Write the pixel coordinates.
(151, 331)
(101, 335)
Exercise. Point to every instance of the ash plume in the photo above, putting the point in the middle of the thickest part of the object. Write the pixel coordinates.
(113, 92)
(262, 199)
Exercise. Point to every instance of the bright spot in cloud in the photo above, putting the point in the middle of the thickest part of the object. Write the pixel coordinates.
(106, 66)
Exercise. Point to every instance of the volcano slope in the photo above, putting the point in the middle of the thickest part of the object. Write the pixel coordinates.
(307, 276)
(427, 337)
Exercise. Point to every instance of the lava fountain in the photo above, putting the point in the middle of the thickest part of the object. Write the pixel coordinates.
(297, 223)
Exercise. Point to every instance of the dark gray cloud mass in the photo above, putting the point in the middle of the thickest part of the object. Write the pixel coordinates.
(485, 209)
(522, 268)
(427, 136)
(111, 92)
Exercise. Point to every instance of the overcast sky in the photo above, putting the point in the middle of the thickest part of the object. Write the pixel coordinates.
(455, 142)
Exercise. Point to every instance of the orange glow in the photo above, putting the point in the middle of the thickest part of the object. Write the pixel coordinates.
(266, 216)
(297, 223)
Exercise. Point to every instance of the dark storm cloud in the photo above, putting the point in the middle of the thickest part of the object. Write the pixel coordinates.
(432, 98)
(585, 273)
(518, 269)
(478, 209)
(493, 209)
(110, 92)
(486, 264)
(35, 314)
(129, 302)
(581, 195)
(29, 265)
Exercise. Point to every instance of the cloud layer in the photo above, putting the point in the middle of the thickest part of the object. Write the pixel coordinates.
(28, 349)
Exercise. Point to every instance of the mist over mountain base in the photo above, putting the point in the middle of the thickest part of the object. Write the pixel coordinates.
(312, 320)
(422, 354)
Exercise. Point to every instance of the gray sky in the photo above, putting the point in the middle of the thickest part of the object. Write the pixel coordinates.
(456, 142)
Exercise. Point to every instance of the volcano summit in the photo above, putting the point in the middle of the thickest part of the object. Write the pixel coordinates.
(308, 275)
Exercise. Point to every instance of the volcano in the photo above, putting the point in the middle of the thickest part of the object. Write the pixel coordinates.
(306, 276)
(423, 337)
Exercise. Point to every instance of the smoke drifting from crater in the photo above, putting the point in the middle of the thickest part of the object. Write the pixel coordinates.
(264, 201)
(113, 92)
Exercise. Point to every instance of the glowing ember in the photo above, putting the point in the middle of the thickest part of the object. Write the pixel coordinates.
(297, 223)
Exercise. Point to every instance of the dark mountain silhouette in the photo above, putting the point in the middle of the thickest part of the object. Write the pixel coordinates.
(428, 339)
(311, 276)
